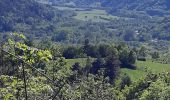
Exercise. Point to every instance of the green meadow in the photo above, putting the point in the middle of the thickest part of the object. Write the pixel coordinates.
(94, 15)
(71, 62)
(142, 67)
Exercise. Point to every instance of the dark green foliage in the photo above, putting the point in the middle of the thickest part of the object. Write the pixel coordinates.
(86, 46)
(97, 65)
(29, 43)
(132, 57)
(88, 66)
(126, 56)
(112, 67)
(141, 59)
(125, 81)
(104, 50)
(142, 52)
(155, 55)
(129, 35)
(118, 56)
(28, 16)
(71, 52)
(61, 36)
(76, 67)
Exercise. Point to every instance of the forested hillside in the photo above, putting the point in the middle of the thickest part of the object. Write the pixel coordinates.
(28, 16)
(30, 73)
(84, 49)
(150, 7)
(141, 5)
(39, 19)
(150, 15)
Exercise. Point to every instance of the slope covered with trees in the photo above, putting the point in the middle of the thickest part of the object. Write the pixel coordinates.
(36, 66)
(140, 5)
(138, 20)
(28, 16)
(31, 73)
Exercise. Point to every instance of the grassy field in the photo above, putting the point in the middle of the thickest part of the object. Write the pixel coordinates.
(67, 8)
(94, 15)
(71, 62)
(141, 69)
(134, 74)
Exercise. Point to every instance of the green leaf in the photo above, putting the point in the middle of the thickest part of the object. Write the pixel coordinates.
(9, 96)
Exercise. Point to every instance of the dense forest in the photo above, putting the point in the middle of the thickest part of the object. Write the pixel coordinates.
(141, 5)
(30, 17)
(131, 25)
(152, 11)
(84, 50)
(31, 73)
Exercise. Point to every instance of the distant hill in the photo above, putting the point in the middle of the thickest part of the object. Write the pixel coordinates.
(129, 4)
(28, 16)
(153, 15)
(137, 4)
(152, 7)
(140, 20)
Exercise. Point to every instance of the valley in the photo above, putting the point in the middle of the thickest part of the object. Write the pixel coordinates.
(84, 49)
